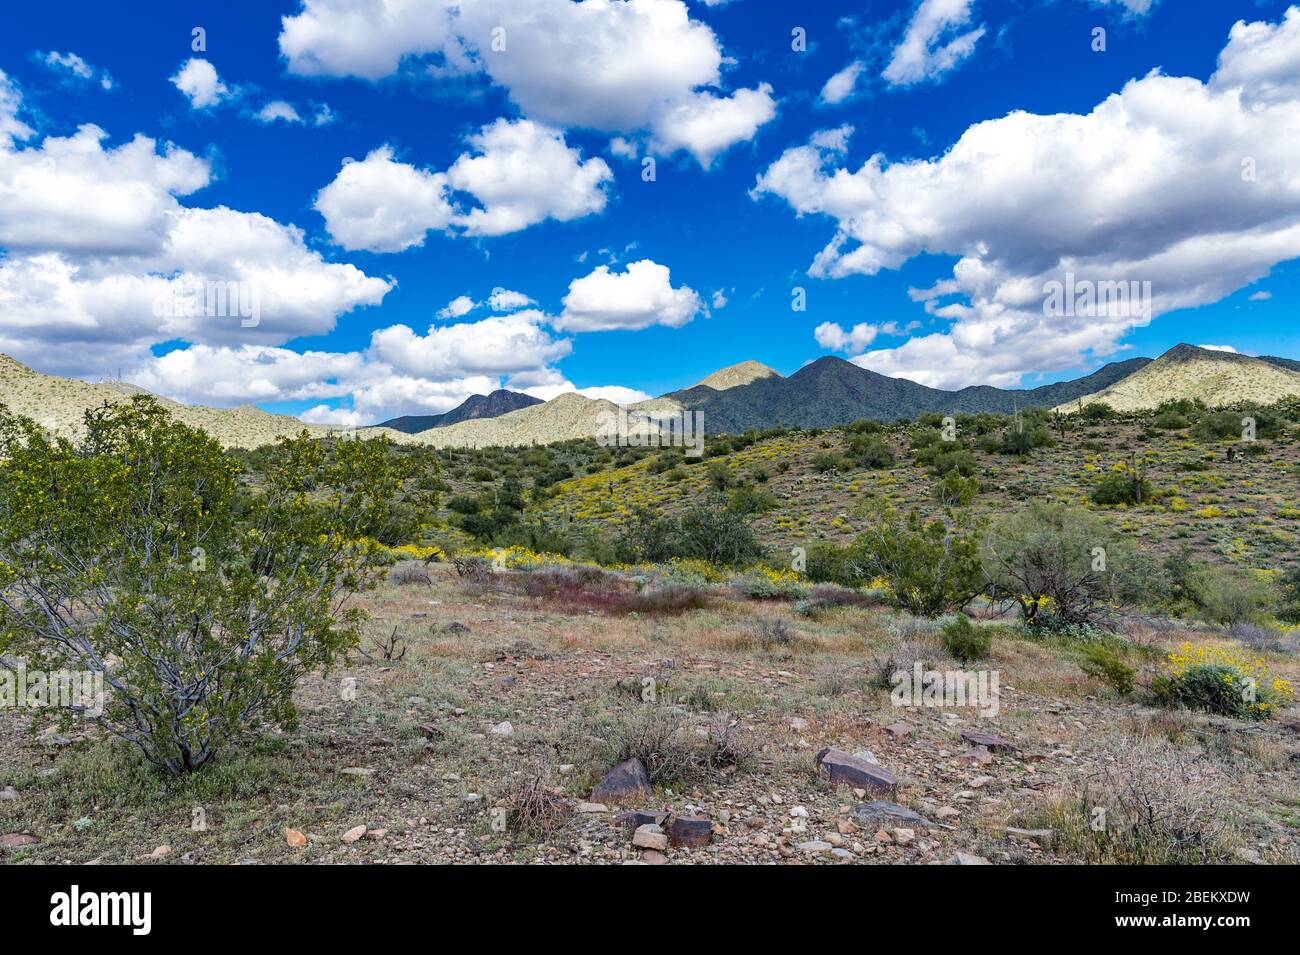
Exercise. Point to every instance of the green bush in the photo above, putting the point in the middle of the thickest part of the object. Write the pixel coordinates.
(953, 490)
(959, 460)
(931, 567)
(1061, 563)
(1116, 490)
(1098, 411)
(871, 452)
(1226, 596)
(1213, 687)
(827, 563)
(1104, 663)
(964, 641)
(127, 547)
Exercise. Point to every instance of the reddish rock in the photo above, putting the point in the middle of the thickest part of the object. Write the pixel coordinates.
(16, 840)
(978, 738)
(691, 831)
(976, 755)
(626, 781)
(898, 730)
(845, 769)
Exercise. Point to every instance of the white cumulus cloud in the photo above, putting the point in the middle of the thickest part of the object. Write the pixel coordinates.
(639, 297)
(936, 41)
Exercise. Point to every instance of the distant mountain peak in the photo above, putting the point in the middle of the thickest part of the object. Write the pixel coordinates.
(733, 376)
(491, 405)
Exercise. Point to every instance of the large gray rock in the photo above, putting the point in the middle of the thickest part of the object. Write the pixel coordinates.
(881, 812)
(845, 769)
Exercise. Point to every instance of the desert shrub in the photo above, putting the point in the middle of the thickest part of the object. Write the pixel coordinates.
(719, 476)
(533, 807)
(826, 461)
(748, 499)
(1123, 489)
(1104, 663)
(716, 534)
(1151, 803)
(1054, 560)
(1170, 420)
(1290, 596)
(1097, 411)
(773, 633)
(408, 572)
(1222, 679)
(1227, 596)
(767, 584)
(1021, 440)
(960, 461)
(667, 744)
(126, 547)
(953, 490)
(830, 563)
(964, 641)
(870, 451)
(931, 567)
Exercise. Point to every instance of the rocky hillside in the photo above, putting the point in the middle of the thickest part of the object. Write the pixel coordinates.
(58, 404)
(1214, 377)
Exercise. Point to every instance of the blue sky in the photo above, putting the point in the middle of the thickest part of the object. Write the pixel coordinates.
(521, 169)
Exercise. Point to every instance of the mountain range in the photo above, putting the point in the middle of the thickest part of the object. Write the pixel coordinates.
(825, 392)
(475, 406)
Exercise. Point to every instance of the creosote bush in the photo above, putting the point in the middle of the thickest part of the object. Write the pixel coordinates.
(123, 556)
(964, 641)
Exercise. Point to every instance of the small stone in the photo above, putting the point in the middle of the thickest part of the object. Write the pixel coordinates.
(8, 794)
(650, 837)
(979, 782)
(1248, 855)
(978, 755)
(161, 852)
(798, 724)
(798, 812)
(987, 740)
(592, 807)
(636, 818)
(815, 847)
(947, 812)
(294, 838)
(353, 834)
(356, 771)
(898, 730)
(966, 858)
(653, 857)
(503, 729)
(904, 836)
(566, 769)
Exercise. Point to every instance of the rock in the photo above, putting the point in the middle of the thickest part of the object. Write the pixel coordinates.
(455, 627)
(353, 834)
(8, 794)
(376, 834)
(898, 730)
(798, 724)
(798, 812)
(161, 852)
(867, 755)
(653, 857)
(966, 858)
(979, 782)
(650, 837)
(294, 838)
(636, 818)
(977, 755)
(626, 781)
(1248, 855)
(592, 807)
(844, 769)
(987, 740)
(815, 847)
(503, 729)
(904, 836)
(1036, 835)
(16, 840)
(690, 831)
(356, 771)
(947, 812)
(883, 811)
